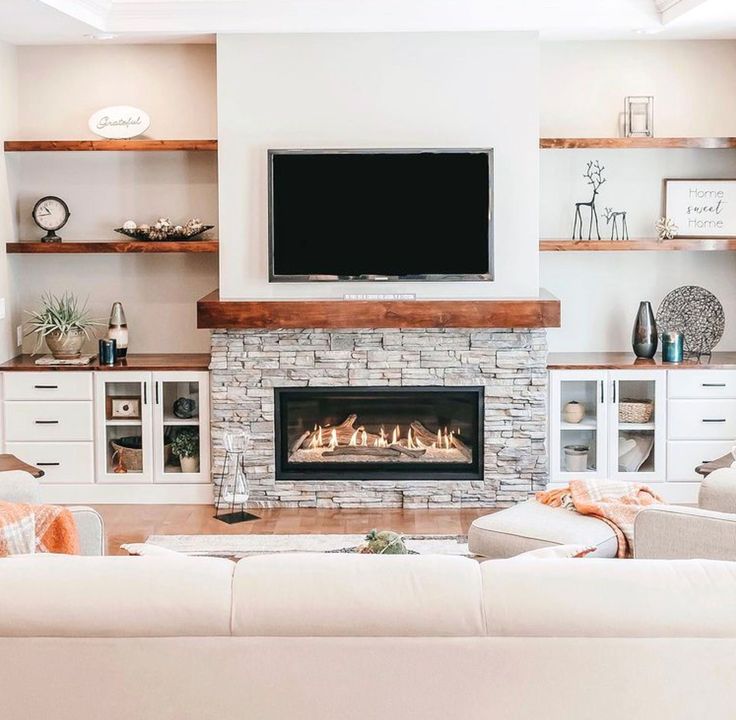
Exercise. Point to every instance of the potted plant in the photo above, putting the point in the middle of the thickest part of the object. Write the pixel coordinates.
(63, 322)
(186, 447)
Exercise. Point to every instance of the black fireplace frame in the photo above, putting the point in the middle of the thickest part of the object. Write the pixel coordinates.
(352, 472)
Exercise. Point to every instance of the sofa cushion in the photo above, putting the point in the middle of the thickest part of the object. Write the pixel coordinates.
(610, 598)
(72, 596)
(321, 595)
(532, 525)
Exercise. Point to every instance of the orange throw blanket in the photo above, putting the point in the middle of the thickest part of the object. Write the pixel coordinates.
(37, 528)
(616, 503)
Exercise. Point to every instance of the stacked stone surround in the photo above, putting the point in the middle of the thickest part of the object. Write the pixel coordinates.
(511, 364)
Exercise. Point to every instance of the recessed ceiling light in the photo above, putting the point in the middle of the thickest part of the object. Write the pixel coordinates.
(100, 36)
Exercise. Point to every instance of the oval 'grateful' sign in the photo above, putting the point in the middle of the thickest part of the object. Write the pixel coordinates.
(119, 122)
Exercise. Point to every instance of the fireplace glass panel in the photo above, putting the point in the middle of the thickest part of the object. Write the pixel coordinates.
(426, 433)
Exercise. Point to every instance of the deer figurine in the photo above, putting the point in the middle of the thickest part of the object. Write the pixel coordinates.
(610, 215)
(594, 177)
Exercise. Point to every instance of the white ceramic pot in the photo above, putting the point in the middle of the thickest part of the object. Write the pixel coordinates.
(189, 464)
(65, 346)
(576, 458)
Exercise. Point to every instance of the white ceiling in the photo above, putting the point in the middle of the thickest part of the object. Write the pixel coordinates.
(73, 21)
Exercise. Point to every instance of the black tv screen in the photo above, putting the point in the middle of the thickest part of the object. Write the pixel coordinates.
(380, 215)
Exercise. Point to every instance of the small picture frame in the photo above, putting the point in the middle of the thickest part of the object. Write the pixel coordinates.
(124, 408)
(701, 208)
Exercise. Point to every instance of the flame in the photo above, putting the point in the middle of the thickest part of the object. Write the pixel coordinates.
(410, 441)
(395, 435)
(333, 439)
(364, 438)
(353, 439)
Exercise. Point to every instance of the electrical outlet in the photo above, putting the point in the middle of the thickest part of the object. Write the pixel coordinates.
(19, 335)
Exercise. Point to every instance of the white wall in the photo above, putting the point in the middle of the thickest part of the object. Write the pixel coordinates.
(176, 85)
(583, 86)
(377, 90)
(8, 127)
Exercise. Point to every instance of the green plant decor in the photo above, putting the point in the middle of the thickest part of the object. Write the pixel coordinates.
(186, 443)
(64, 314)
(384, 542)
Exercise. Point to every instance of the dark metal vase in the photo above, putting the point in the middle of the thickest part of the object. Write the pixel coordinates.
(644, 338)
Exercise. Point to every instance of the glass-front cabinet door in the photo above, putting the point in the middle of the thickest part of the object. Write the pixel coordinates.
(123, 409)
(637, 431)
(577, 425)
(180, 427)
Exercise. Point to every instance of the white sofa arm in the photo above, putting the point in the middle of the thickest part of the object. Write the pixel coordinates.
(718, 491)
(668, 532)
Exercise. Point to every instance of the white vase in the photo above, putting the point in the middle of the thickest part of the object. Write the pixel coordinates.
(189, 464)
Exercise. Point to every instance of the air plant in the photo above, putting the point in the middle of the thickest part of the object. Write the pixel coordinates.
(62, 315)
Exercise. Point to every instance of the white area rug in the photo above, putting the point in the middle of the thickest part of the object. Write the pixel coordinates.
(244, 545)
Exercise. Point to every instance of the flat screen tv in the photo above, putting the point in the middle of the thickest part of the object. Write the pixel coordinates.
(380, 215)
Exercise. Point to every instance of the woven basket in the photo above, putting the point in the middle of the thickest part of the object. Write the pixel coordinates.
(130, 452)
(635, 411)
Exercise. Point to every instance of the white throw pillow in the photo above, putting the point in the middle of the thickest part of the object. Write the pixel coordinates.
(147, 549)
(557, 552)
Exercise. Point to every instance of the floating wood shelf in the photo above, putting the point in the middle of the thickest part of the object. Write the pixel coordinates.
(643, 244)
(627, 361)
(139, 361)
(704, 143)
(113, 246)
(108, 145)
(542, 311)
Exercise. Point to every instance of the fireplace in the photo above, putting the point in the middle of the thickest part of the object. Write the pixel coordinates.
(379, 433)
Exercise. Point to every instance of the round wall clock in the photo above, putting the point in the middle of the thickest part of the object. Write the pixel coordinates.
(50, 213)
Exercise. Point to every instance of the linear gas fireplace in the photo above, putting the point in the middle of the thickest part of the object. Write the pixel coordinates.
(366, 433)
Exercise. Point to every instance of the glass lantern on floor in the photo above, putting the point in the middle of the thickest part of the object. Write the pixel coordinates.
(233, 490)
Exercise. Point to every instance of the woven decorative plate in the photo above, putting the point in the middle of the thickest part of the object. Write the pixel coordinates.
(697, 314)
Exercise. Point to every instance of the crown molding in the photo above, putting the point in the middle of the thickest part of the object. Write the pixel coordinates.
(91, 12)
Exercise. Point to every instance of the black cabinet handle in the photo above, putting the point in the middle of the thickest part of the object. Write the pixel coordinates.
(46, 387)
(145, 393)
(155, 385)
(614, 392)
(46, 422)
(714, 420)
(602, 392)
(713, 384)
(40, 464)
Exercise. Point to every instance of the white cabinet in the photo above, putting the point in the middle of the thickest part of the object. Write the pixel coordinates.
(601, 444)
(139, 416)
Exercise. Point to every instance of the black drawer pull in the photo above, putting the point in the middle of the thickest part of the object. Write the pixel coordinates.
(40, 464)
(714, 419)
(46, 387)
(713, 384)
(46, 422)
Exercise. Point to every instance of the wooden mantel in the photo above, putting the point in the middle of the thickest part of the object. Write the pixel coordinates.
(539, 312)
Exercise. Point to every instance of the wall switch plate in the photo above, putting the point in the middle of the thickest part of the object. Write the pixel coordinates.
(19, 335)
(2, 308)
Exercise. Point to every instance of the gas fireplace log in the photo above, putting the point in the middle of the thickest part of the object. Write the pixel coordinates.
(427, 438)
(391, 450)
(298, 444)
(344, 432)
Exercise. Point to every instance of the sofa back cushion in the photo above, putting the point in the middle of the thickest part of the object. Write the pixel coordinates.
(357, 595)
(610, 598)
(72, 596)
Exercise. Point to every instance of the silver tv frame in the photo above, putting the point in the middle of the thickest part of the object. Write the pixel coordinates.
(485, 277)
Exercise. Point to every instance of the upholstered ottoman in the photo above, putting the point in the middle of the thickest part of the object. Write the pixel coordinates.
(532, 525)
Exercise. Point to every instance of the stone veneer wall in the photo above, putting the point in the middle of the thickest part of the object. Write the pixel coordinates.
(511, 364)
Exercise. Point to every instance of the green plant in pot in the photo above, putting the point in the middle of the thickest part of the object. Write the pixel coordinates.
(186, 447)
(63, 322)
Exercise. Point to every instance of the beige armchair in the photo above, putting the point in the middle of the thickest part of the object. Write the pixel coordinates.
(666, 532)
(19, 484)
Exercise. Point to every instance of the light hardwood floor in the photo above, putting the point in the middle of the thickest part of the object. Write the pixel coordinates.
(134, 523)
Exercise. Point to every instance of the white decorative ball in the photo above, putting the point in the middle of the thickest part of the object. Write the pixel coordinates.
(129, 225)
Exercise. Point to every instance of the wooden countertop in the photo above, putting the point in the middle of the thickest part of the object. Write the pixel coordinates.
(138, 361)
(628, 361)
(538, 312)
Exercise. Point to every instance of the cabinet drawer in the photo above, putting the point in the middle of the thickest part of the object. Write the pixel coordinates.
(48, 385)
(684, 456)
(48, 421)
(702, 384)
(702, 419)
(62, 462)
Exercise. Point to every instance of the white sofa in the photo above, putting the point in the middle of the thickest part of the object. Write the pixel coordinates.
(337, 637)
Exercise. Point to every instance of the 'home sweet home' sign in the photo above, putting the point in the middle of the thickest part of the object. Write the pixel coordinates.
(702, 208)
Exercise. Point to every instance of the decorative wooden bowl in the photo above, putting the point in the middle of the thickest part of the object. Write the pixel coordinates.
(171, 235)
